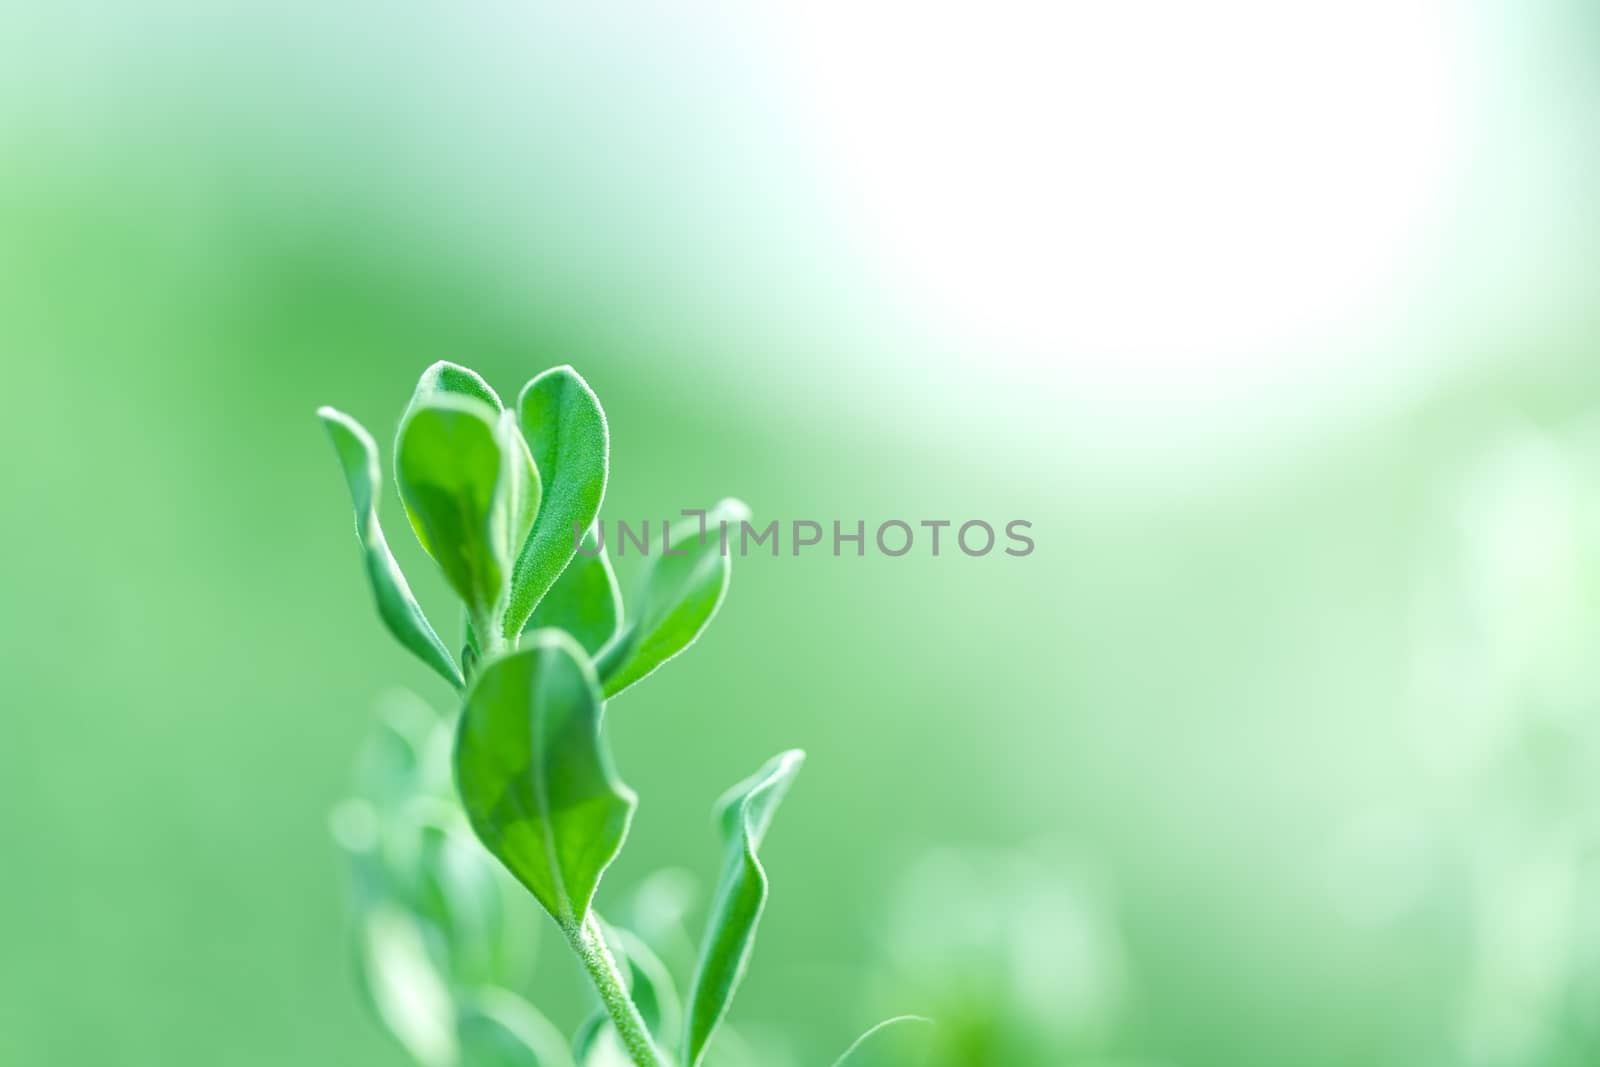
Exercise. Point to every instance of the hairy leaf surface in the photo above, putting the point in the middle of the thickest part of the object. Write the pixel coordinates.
(397, 607)
(449, 462)
(535, 776)
(743, 814)
(650, 987)
(566, 431)
(584, 601)
(682, 591)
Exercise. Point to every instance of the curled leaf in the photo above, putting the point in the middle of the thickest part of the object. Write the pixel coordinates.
(449, 462)
(535, 776)
(682, 591)
(565, 428)
(584, 601)
(875, 1046)
(744, 814)
(397, 607)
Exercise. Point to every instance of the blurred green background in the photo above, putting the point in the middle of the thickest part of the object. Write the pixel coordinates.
(1278, 321)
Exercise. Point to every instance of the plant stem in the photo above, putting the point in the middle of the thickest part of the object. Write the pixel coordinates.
(590, 945)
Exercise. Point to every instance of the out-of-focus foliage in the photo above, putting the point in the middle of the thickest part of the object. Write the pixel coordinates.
(1253, 676)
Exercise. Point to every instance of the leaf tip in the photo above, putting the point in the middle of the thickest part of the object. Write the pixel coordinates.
(732, 509)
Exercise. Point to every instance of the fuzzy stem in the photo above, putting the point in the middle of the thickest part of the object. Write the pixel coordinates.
(590, 945)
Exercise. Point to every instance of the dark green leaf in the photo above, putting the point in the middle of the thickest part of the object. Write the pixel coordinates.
(566, 431)
(358, 456)
(535, 776)
(682, 592)
(449, 462)
(885, 1045)
(743, 814)
(584, 601)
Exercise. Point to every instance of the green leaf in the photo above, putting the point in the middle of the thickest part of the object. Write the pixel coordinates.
(399, 610)
(521, 484)
(405, 991)
(584, 601)
(535, 776)
(455, 887)
(743, 814)
(446, 378)
(566, 431)
(682, 591)
(878, 1045)
(449, 461)
(500, 1029)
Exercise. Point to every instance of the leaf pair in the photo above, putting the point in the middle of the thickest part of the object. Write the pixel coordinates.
(493, 496)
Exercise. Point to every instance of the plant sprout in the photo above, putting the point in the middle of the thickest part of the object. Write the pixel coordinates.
(499, 498)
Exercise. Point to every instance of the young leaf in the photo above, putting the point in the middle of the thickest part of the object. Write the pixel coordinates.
(566, 431)
(743, 814)
(399, 610)
(535, 777)
(449, 462)
(520, 482)
(584, 601)
(449, 378)
(873, 1047)
(682, 592)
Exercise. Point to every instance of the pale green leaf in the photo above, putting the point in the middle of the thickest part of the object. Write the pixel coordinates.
(499, 1029)
(521, 487)
(681, 593)
(535, 776)
(397, 607)
(404, 988)
(882, 1046)
(449, 463)
(566, 431)
(456, 887)
(743, 814)
(584, 601)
